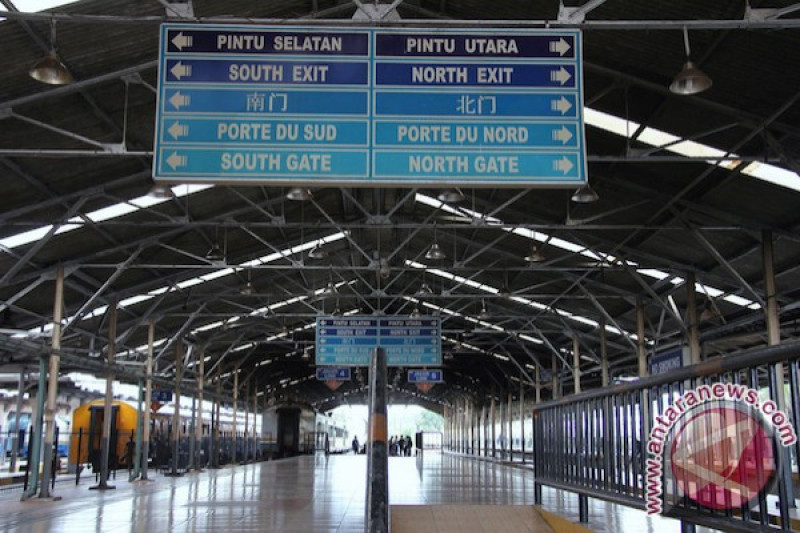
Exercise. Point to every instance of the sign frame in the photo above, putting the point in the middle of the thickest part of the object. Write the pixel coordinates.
(550, 67)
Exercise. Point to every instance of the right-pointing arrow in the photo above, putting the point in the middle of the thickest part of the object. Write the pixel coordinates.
(561, 75)
(176, 160)
(563, 165)
(562, 105)
(563, 135)
(559, 47)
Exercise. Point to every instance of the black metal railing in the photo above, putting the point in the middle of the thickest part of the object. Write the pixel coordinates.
(597, 443)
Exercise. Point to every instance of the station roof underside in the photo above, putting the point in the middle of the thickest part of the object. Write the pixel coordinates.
(688, 186)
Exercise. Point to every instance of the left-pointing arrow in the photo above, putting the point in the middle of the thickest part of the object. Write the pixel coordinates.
(180, 70)
(176, 160)
(178, 130)
(179, 100)
(182, 41)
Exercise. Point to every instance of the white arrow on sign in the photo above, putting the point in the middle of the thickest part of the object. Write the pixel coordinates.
(562, 105)
(178, 130)
(180, 70)
(560, 46)
(563, 165)
(563, 135)
(179, 100)
(182, 41)
(561, 75)
(176, 160)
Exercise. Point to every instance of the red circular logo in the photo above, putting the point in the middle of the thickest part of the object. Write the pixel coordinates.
(722, 457)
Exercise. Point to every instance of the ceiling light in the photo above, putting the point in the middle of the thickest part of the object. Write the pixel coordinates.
(425, 289)
(215, 253)
(247, 289)
(299, 194)
(451, 196)
(535, 255)
(585, 195)
(415, 313)
(330, 289)
(50, 69)
(317, 253)
(505, 291)
(435, 253)
(690, 80)
(160, 191)
(484, 314)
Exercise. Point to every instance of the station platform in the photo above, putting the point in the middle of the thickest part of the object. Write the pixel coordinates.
(434, 493)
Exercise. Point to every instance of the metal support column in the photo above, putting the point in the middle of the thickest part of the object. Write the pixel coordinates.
(494, 428)
(255, 421)
(510, 417)
(148, 398)
(137, 454)
(215, 440)
(641, 347)
(522, 419)
(12, 467)
(377, 519)
(198, 429)
(603, 355)
(576, 363)
(107, 407)
(693, 329)
(176, 412)
(786, 487)
(235, 411)
(35, 444)
(52, 387)
(554, 378)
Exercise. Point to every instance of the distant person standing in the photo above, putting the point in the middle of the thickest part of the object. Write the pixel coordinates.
(355, 445)
(408, 446)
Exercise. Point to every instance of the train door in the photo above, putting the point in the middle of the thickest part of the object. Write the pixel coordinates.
(96, 437)
(288, 431)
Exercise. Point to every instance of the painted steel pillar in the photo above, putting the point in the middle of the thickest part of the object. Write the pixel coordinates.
(522, 418)
(641, 347)
(576, 363)
(494, 428)
(107, 406)
(482, 430)
(603, 355)
(235, 411)
(538, 384)
(148, 398)
(255, 421)
(555, 378)
(510, 418)
(52, 387)
(693, 330)
(176, 412)
(137, 455)
(377, 519)
(215, 440)
(198, 428)
(12, 467)
(246, 440)
(774, 338)
(35, 445)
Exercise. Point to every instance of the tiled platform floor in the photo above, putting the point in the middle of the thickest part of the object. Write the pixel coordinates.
(304, 494)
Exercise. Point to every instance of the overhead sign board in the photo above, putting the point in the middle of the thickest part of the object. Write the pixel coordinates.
(425, 376)
(351, 341)
(668, 360)
(333, 373)
(378, 106)
(161, 395)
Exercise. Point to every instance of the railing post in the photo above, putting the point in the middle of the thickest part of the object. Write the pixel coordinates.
(583, 508)
(377, 519)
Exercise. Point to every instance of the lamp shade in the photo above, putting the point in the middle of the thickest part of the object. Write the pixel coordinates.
(690, 80)
(299, 194)
(435, 253)
(585, 195)
(51, 70)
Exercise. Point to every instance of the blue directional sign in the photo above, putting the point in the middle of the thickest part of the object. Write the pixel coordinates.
(425, 376)
(161, 395)
(351, 341)
(333, 373)
(378, 106)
